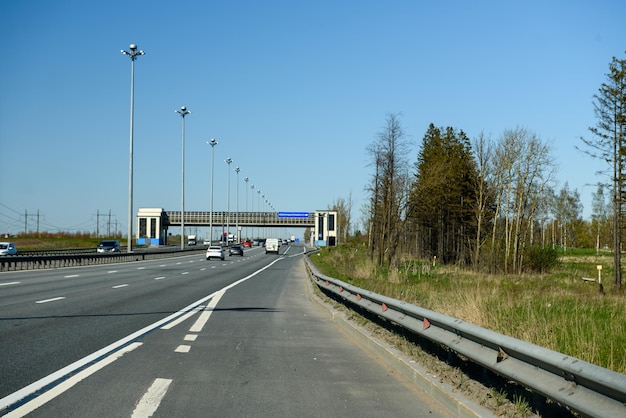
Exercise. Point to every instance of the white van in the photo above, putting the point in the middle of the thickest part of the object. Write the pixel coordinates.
(271, 245)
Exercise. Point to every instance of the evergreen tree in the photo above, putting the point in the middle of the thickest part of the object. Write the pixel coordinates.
(443, 193)
(609, 144)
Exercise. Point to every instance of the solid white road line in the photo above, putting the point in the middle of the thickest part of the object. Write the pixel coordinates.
(206, 314)
(30, 406)
(150, 402)
(9, 283)
(182, 318)
(120, 286)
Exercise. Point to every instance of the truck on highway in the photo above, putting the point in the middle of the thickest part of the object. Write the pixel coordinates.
(191, 240)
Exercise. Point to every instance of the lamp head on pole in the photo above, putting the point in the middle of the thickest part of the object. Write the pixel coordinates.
(133, 52)
(183, 112)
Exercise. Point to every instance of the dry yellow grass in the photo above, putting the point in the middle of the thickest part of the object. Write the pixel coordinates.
(559, 311)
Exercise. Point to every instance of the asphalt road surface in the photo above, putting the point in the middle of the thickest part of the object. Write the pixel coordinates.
(186, 337)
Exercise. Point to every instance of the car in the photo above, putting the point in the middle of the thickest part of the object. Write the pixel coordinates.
(109, 246)
(256, 243)
(235, 249)
(7, 248)
(207, 242)
(247, 243)
(215, 251)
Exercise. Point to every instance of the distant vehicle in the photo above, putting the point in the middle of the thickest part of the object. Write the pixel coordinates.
(247, 243)
(271, 245)
(7, 248)
(227, 238)
(256, 243)
(109, 246)
(235, 249)
(215, 251)
(207, 242)
(191, 240)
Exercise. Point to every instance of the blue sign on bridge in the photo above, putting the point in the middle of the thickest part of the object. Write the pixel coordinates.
(304, 215)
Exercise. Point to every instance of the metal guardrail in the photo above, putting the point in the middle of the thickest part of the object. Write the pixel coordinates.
(78, 258)
(62, 251)
(582, 387)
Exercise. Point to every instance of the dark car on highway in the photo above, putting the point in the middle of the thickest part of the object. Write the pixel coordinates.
(109, 246)
(235, 249)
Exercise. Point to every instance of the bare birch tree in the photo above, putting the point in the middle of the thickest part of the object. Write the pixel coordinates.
(522, 173)
(388, 191)
(484, 191)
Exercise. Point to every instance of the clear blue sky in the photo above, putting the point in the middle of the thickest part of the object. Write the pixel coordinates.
(294, 92)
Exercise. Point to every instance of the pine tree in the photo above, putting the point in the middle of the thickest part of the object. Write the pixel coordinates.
(609, 144)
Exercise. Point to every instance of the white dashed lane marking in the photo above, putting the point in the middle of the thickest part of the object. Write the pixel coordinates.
(51, 300)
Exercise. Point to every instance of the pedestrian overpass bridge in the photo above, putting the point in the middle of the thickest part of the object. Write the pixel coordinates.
(153, 223)
(233, 219)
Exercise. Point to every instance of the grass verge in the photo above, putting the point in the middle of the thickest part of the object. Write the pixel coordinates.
(559, 310)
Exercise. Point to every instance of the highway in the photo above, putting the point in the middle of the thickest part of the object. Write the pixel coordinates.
(186, 337)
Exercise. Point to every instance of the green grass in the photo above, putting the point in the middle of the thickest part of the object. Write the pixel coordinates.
(47, 242)
(559, 311)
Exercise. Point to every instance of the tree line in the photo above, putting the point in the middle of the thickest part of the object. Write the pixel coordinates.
(491, 203)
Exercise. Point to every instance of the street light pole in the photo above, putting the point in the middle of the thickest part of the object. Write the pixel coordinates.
(212, 143)
(260, 213)
(132, 54)
(247, 215)
(252, 209)
(264, 217)
(228, 161)
(182, 112)
(237, 170)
